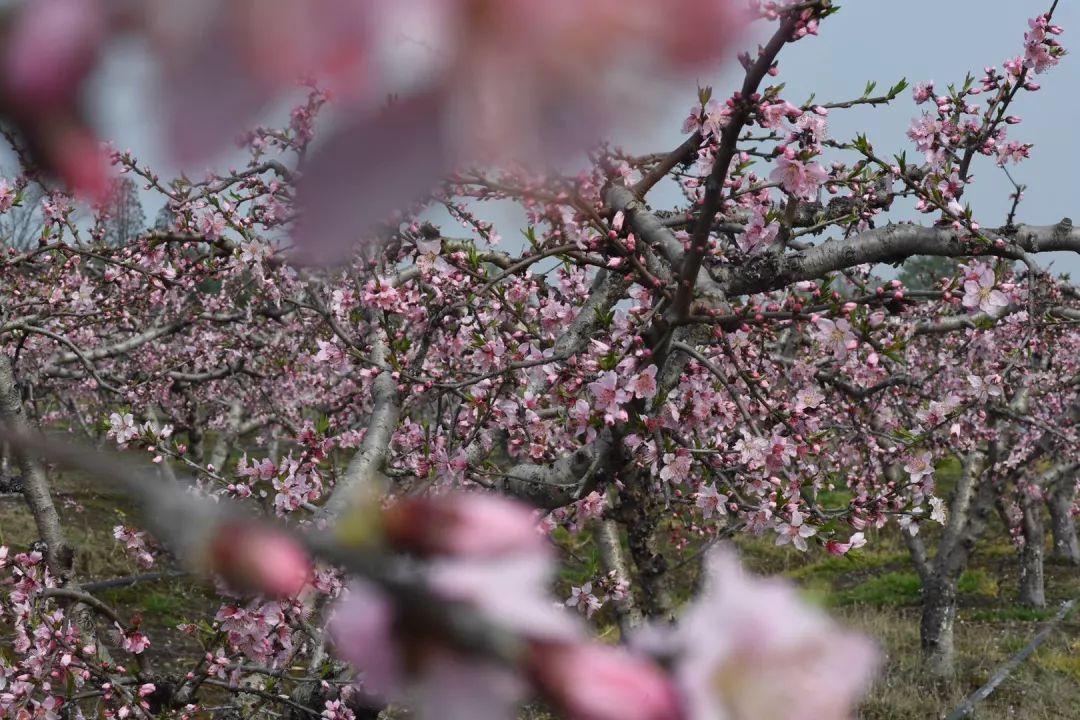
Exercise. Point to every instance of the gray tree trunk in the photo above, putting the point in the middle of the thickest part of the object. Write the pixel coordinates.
(1032, 592)
(1062, 524)
(971, 503)
(936, 625)
(59, 554)
(219, 456)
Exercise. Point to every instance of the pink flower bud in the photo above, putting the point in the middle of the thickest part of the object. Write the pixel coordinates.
(258, 558)
(464, 524)
(597, 682)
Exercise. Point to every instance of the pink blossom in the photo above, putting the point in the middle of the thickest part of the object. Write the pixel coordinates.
(361, 626)
(923, 92)
(1013, 152)
(772, 114)
(50, 50)
(212, 224)
(122, 428)
(259, 558)
(717, 116)
(757, 234)
(812, 127)
(643, 385)
(808, 398)
(794, 532)
(135, 642)
(583, 599)
(710, 501)
(837, 336)
(1038, 48)
(857, 540)
(609, 396)
(920, 466)
(136, 544)
(676, 466)
(7, 196)
(924, 131)
(508, 590)
(979, 292)
(797, 177)
(329, 352)
(937, 510)
(984, 388)
(744, 633)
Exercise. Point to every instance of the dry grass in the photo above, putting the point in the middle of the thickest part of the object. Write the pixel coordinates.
(877, 592)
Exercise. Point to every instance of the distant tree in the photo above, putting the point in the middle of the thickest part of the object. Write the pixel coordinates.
(923, 272)
(20, 226)
(124, 218)
(165, 219)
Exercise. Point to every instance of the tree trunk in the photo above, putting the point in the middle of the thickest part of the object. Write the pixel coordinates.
(936, 627)
(219, 456)
(1060, 502)
(59, 554)
(1032, 592)
(640, 510)
(611, 554)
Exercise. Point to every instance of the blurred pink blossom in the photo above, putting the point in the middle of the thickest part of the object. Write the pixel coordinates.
(596, 682)
(259, 558)
(750, 648)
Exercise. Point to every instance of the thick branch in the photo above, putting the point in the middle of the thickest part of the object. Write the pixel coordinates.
(892, 243)
(364, 474)
(569, 478)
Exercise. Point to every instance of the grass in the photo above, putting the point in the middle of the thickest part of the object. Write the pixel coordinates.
(876, 590)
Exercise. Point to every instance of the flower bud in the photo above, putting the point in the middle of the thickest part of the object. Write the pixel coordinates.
(472, 524)
(595, 682)
(256, 558)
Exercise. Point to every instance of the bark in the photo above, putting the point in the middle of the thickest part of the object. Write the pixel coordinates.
(363, 477)
(640, 510)
(611, 554)
(59, 554)
(566, 480)
(1032, 592)
(936, 625)
(1059, 501)
(220, 453)
(891, 243)
(969, 508)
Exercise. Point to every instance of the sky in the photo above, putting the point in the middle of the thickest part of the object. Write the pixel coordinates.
(881, 40)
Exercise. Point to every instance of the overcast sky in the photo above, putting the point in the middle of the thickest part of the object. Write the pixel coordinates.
(880, 40)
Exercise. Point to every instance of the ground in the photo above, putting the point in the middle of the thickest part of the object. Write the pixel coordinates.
(877, 591)
(874, 589)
